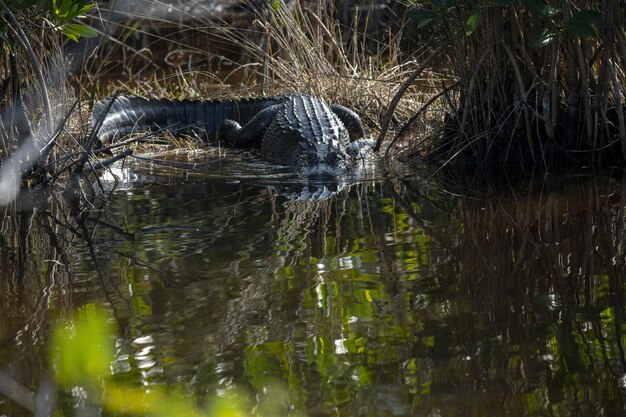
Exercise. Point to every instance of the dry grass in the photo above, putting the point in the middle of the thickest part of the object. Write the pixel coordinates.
(297, 48)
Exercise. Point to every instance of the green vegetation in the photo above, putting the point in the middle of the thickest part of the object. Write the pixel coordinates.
(82, 352)
(540, 83)
(21, 17)
(34, 111)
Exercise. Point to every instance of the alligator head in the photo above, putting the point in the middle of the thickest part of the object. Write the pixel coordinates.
(323, 160)
(308, 136)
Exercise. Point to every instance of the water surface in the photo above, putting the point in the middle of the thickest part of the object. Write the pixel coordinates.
(387, 297)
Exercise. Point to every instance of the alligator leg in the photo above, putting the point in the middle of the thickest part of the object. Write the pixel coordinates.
(350, 120)
(360, 148)
(250, 134)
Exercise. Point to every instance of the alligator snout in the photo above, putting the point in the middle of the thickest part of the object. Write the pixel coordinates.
(324, 160)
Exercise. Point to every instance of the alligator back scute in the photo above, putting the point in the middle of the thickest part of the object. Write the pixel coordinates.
(140, 115)
(302, 124)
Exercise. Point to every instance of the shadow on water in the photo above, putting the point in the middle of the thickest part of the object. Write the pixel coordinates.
(389, 297)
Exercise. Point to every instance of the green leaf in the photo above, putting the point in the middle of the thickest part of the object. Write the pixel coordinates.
(275, 5)
(472, 22)
(82, 349)
(581, 24)
(64, 8)
(422, 17)
(538, 7)
(85, 9)
(540, 39)
(77, 30)
(54, 10)
(73, 11)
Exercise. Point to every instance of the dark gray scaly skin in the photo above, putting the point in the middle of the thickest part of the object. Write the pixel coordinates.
(292, 130)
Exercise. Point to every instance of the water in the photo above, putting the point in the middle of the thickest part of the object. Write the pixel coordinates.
(391, 297)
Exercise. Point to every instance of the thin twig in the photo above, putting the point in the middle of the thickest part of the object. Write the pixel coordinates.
(93, 135)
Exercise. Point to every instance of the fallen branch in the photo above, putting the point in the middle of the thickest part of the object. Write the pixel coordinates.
(104, 164)
(93, 135)
(413, 118)
(396, 98)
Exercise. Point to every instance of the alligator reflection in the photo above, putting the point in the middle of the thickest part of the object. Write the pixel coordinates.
(389, 298)
(232, 166)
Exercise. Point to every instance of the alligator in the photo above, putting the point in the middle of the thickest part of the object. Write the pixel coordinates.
(315, 138)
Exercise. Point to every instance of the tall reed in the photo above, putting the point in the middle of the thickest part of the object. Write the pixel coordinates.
(541, 84)
(343, 52)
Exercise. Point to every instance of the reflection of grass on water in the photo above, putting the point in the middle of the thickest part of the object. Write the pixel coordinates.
(518, 308)
(541, 276)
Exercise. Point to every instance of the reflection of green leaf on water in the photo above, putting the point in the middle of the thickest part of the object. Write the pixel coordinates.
(82, 347)
(330, 248)
(271, 373)
(429, 341)
(328, 363)
(362, 375)
(388, 205)
(267, 360)
(140, 292)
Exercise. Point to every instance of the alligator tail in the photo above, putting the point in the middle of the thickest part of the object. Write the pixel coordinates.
(130, 115)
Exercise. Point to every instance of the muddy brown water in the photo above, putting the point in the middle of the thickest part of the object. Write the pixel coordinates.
(394, 296)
